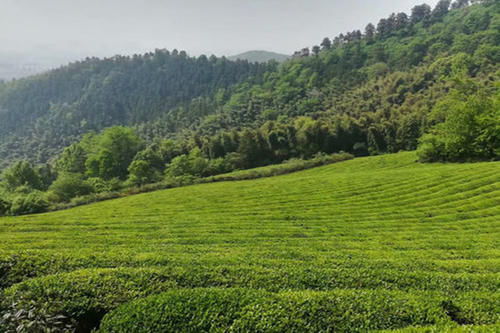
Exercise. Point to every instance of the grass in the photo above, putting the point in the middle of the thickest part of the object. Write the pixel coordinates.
(349, 239)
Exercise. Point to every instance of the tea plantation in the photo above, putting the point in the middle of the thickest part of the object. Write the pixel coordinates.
(378, 243)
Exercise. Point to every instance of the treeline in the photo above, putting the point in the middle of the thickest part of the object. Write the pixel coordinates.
(397, 24)
(366, 75)
(117, 159)
(465, 126)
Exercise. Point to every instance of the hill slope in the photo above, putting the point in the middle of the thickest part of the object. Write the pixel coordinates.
(42, 114)
(378, 242)
(260, 56)
(372, 91)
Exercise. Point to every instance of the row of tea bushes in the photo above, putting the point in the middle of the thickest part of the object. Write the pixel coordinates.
(287, 275)
(243, 310)
(87, 295)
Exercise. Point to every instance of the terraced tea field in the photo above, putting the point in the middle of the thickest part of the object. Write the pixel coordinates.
(378, 243)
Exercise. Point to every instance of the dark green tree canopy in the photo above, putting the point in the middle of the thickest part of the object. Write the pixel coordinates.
(21, 173)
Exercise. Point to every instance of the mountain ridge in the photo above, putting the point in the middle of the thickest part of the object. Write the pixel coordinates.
(260, 56)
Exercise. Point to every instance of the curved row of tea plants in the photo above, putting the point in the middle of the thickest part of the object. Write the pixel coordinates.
(373, 243)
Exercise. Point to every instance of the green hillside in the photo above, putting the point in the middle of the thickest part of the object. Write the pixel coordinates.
(372, 243)
(260, 56)
(370, 90)
(44, 113)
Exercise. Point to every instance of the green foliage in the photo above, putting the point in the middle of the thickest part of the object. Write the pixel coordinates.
(94, 94)
(115, 150)
(70, 185)
(196, 164)
(30, 319)
(31, 203)
(100, 185)
(178, 167)
(382, 242)
(373, 243)
(86, 299)
(374, 83)
(141, 172)
(4, 206)
(243, 310)
(73, 159)
(22, 173)
(209, 310)
(471, 129)
(289, 166)
(260, 56)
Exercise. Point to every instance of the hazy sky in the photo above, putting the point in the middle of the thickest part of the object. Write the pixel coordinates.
(77, 28)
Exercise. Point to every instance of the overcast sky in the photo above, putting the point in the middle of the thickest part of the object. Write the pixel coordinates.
(78, 28)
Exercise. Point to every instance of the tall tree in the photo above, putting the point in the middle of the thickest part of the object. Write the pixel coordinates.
(383, 27)
(370, 31)
(116, 148)
(401, 21)
(316, 50)
(420, 13)
(326, 44)
(21, 173)
(441, 9)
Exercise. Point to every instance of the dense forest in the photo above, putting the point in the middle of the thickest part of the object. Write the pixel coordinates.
(426, 80)
(41, 115)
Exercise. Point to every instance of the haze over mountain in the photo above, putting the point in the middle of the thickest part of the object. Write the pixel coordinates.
(260, 56)
(61, 31)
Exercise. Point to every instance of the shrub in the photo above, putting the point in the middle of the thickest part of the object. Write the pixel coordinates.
(246, 310)
(195, 164)
(29, 319)
(99, 185)
(347, 275)
(470, 131)
(196, 310)
(339, 311)
(448, 328)
(115, 184)
(23, 190)
(31, 203)
(83, 297)
(178, 167)
(70, 185)
(21, 173)
(91, 198)
(142, 172)
(86, 295)
(4, 206)
(114, 150)
(289, 166)
(431, 149)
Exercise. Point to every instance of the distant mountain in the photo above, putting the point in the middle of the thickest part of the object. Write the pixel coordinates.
(10, 71)
(260, 56)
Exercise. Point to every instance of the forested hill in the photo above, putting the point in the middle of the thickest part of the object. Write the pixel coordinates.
(366, 91)
(42, 114)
